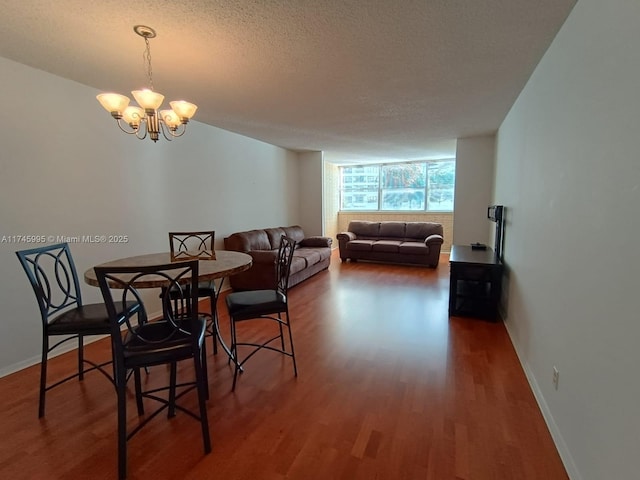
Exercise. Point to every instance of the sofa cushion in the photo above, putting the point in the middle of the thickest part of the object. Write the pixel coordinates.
(294, 232)
(264, 256)
(385, 246)
(421, 230)
(311, 257)
(274, 235)
(365, 229)
(297, 264)
(413, 248)
(325, 253)
(360, 245)
(392, 229)
(250, 240)
(316, 242)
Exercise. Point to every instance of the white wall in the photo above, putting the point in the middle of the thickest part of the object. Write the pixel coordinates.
(311, 193)
(568, 170)
(475, 160)
(66, 169)
(331, 201)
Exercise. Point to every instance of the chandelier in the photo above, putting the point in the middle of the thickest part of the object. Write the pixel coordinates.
(146, 118)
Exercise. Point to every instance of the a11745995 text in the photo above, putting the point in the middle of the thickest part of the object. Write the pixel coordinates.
(40, 239)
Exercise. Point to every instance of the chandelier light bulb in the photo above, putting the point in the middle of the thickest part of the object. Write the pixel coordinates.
(170, 118)
(133, 116)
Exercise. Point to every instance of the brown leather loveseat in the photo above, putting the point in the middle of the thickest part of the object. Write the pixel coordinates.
(399, 242)
(312, 255)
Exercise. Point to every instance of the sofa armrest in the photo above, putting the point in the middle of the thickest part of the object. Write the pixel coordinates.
(343, 239)
(346, 236)
(316, 242)
(434, 240)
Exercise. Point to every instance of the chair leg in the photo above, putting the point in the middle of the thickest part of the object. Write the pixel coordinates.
(80, 357)
(176, 307)
(234, 352)
(281, 333)
(213, 301)
(202, 386)
(293, 352)
(214, 316)
(43, 374)
(138, 388)
(232, 348)
(172, 390)
(235, 378)
(203, 362)
(122, 428)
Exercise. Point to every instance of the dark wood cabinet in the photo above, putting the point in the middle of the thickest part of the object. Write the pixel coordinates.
(475, 282)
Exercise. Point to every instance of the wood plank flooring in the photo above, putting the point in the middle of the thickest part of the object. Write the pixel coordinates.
(389, 387)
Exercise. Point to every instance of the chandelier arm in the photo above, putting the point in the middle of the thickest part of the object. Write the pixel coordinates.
(142, 129)
(133, 131)
(179, 131)
(164, 129)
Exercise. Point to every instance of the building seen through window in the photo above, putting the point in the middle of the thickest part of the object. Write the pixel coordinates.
(415, 186)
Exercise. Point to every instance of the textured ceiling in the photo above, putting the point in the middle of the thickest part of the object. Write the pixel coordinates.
(379, 79)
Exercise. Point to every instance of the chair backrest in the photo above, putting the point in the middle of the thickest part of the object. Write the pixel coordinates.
(118, 287)
(53, 277)
(190, 245)
(283, 263)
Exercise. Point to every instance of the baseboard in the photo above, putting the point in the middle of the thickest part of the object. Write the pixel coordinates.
(62, 349)
(29, 362)
(556, 435)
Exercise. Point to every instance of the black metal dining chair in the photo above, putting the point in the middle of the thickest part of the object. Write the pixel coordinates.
(53, 277)
(199, 245)
(192, 245)
(270, 305)
(177, 336)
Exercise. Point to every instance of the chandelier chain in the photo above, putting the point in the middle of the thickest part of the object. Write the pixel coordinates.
(146, 56)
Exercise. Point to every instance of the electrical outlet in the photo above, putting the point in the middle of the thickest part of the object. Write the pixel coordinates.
(556, 377)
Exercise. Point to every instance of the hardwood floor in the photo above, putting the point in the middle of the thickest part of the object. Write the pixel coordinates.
(389, 387)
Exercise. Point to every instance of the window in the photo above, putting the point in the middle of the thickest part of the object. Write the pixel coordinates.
(441, 178)
(415, 186)
(359, 187)
(403, 186)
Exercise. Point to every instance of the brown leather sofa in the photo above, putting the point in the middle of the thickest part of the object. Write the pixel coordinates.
(312, 255)
(398, 242)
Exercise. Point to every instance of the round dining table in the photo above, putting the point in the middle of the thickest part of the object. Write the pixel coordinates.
(224, 264)
(215, 267)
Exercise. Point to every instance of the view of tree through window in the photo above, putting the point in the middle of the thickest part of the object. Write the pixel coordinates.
(415, 186)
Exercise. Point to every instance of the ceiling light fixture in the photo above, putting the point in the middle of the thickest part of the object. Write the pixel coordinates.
(146, 119)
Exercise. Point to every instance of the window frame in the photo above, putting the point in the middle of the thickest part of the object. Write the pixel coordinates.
(380, 189)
